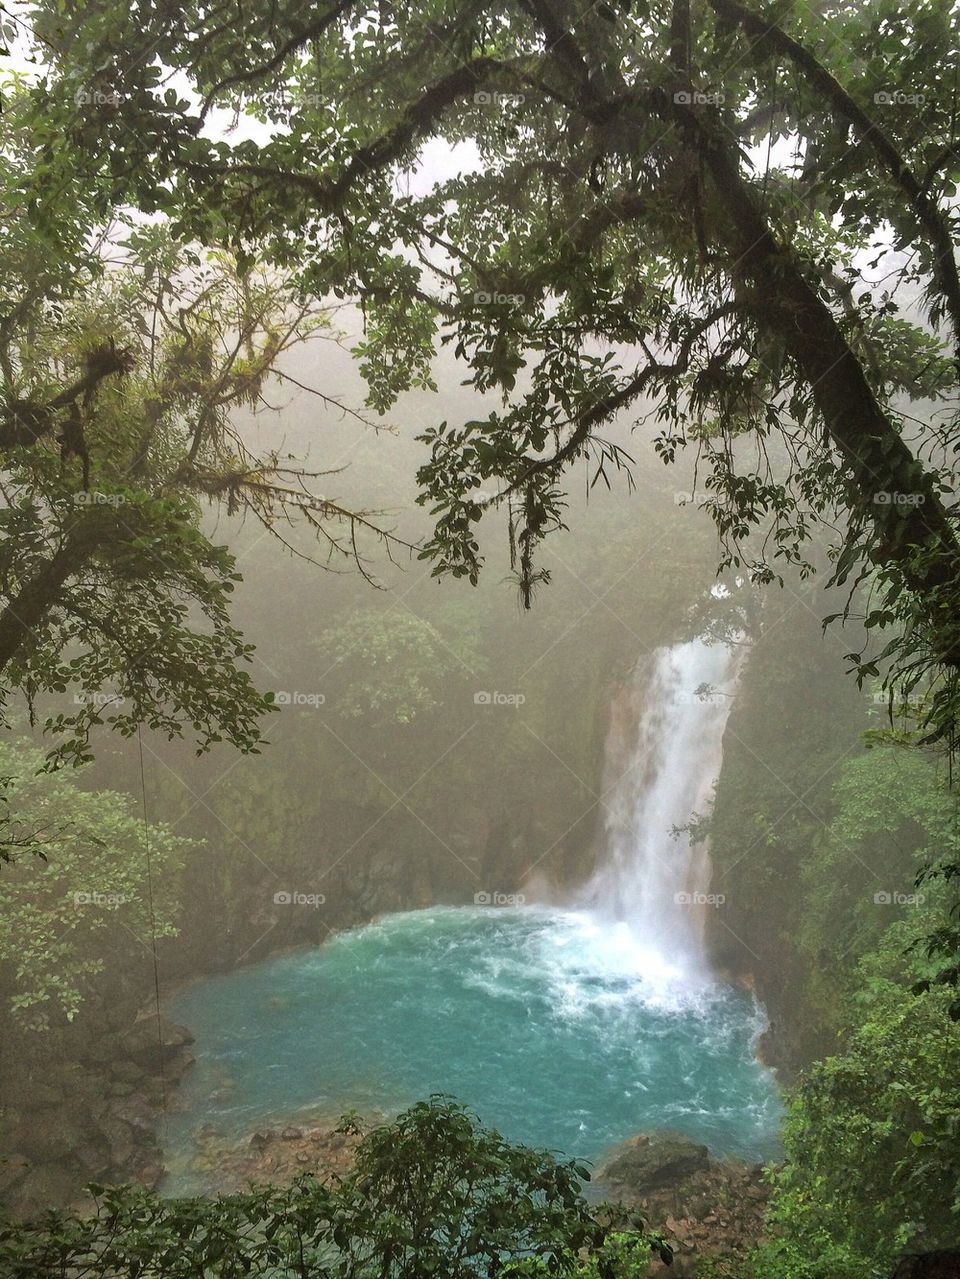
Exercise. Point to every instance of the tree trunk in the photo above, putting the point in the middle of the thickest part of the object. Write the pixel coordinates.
(42, 590)
(889, 486)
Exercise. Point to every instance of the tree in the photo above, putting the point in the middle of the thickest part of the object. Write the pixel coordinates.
(96, 882)
(124, 366)
(872, 1165)
(894, 814)
(396, 666)
(433, 1193)
(664, 200)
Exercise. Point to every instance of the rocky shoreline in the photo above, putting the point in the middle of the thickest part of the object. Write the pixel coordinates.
(98, 1119)
(704, 1206)
(308, 1143)
(95, 1118)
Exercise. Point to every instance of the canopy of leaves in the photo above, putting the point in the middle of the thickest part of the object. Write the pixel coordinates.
(655, 201)
(873, 1156)
(895, 814)
(122, 370)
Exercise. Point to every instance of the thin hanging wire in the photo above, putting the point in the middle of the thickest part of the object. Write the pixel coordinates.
(153, 927)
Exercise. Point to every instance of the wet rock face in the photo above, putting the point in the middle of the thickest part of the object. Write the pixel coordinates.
(152, 1041)
(652, 1160)
(94, 1119)
(702, 1205)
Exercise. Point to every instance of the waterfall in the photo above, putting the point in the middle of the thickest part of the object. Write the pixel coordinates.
(663, 755)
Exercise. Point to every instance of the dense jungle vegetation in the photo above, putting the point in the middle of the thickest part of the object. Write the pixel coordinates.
(371, 373)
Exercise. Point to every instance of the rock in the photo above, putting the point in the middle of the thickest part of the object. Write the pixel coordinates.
(13, 1168)
(119, 1137)
(127, 1071)
(707, 1207)
(261, 1139)
(96, 1159)
(100, 1052)
(52, 1135)
(291, 1134)
(63, 1076)
(137, 1112)
(150, 1046)
(44, 1186)
(654, 1160)
(178, 1065)
(40, 1095)
(151, 1174)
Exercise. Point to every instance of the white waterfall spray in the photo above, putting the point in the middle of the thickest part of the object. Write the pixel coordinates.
(663, 755)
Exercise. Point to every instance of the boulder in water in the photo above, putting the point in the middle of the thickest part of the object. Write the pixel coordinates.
(152, 1040)
(650, 1161)
(704, 1206)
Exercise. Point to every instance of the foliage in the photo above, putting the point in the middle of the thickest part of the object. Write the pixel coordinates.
(665, 205)
(893, 813)
(432, 1193)
(871, 1139)
(82, 897)
(124, 368)
(395, 666)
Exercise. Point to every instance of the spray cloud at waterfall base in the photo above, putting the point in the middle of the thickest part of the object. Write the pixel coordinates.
(568, 1027)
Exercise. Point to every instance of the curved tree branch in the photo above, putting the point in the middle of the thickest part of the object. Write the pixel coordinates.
(928, 213)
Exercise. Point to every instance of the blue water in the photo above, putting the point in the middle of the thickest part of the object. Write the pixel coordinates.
(557, 1029)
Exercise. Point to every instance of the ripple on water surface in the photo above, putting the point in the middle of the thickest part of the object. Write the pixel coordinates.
(556, 1028)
